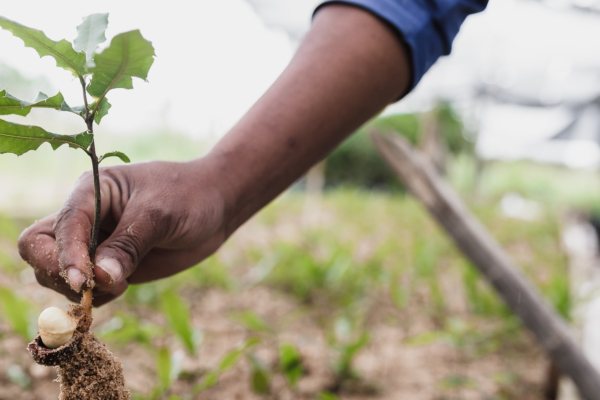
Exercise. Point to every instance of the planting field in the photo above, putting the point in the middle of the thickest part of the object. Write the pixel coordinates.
(353, 295)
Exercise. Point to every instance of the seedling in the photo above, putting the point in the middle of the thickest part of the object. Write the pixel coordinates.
(128, 55)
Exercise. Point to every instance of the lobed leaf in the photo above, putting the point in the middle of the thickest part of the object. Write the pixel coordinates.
(91, 34)
(122, 156)
(129, 55)
(102, 110)
(64, 54)
(9, 104)
(19, 139)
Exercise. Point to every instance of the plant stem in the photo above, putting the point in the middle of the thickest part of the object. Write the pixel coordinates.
(86, 300)
(96, 226)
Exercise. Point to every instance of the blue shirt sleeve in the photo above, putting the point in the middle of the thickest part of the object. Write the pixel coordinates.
(427, 26)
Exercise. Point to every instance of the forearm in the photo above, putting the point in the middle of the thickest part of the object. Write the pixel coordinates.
(348, 68)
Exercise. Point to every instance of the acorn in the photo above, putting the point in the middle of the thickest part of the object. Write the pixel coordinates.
(56, 327)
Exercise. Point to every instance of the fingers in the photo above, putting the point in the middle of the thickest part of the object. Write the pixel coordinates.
(72, 231)
(37, 247)
(119, 255)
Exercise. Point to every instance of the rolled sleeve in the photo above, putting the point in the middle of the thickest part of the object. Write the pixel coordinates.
(428, 27)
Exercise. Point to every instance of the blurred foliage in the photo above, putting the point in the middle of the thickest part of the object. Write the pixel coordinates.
(260, 376)
(124, 328)
(178, 315)
(18, 376)
(19, 313)
(356, 162)
(226, 363)
(290, 363)
(252, 321)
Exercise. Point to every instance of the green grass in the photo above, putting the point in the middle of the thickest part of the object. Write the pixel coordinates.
(375, 256)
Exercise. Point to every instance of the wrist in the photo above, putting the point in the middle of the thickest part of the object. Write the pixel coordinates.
(216, 170)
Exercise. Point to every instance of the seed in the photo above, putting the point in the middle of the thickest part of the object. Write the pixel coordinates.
(56, 327)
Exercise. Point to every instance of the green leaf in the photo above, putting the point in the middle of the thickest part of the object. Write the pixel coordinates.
(290, 363)
(228, 361)
(122, 156)
(126, 328)
(9, 104)
(129, 55)
(17, 311)
(102, 110)
(91, 34)
(351, 351)
(179, 318)
(163, 368)
(424, 338)
(327, 396)
(252, 321)
(209, 381)
(259, 376)
(19, 139)
(62, 51)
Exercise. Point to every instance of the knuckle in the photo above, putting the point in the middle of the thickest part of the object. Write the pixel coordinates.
(129, 246)
(24, 242)
(68, 213)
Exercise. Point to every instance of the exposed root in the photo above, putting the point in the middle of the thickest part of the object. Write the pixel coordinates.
(86, 368)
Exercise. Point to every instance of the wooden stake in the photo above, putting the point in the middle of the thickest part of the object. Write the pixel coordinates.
(479, 246)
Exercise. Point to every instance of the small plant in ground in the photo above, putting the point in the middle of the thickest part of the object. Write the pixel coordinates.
(289, 361)
(178, 315)
(228, 361)
(347, 340)
(128, 55)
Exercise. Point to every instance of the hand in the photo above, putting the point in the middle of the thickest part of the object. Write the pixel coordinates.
(157, 219)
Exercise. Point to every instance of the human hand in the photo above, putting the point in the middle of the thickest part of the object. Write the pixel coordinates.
(157, 219)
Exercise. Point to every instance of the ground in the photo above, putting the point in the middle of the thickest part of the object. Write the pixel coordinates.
(373, 296)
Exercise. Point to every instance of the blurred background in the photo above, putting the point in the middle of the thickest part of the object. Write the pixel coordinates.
(344, 287)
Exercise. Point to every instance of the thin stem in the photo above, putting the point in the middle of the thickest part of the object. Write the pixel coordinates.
(96, 226)
(85, 102)
(86, 300)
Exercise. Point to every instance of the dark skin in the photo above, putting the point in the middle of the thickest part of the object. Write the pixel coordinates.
(160, 218)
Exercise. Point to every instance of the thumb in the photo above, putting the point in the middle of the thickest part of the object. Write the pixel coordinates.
(119, 255)
(72, 229)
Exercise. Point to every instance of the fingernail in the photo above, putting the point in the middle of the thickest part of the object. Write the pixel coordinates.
(111, 267)
(76, 278)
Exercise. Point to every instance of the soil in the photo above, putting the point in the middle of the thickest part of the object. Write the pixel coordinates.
(396, 370)
(391, 366)
(85, 368)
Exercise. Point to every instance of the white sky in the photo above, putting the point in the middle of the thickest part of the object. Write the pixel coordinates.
(214, 59)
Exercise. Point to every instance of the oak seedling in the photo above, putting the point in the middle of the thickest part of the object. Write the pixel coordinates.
(64, 339)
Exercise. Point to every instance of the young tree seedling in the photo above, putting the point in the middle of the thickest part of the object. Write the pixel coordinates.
(65, 340)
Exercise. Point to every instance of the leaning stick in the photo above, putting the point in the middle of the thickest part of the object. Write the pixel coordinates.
(479, 246)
